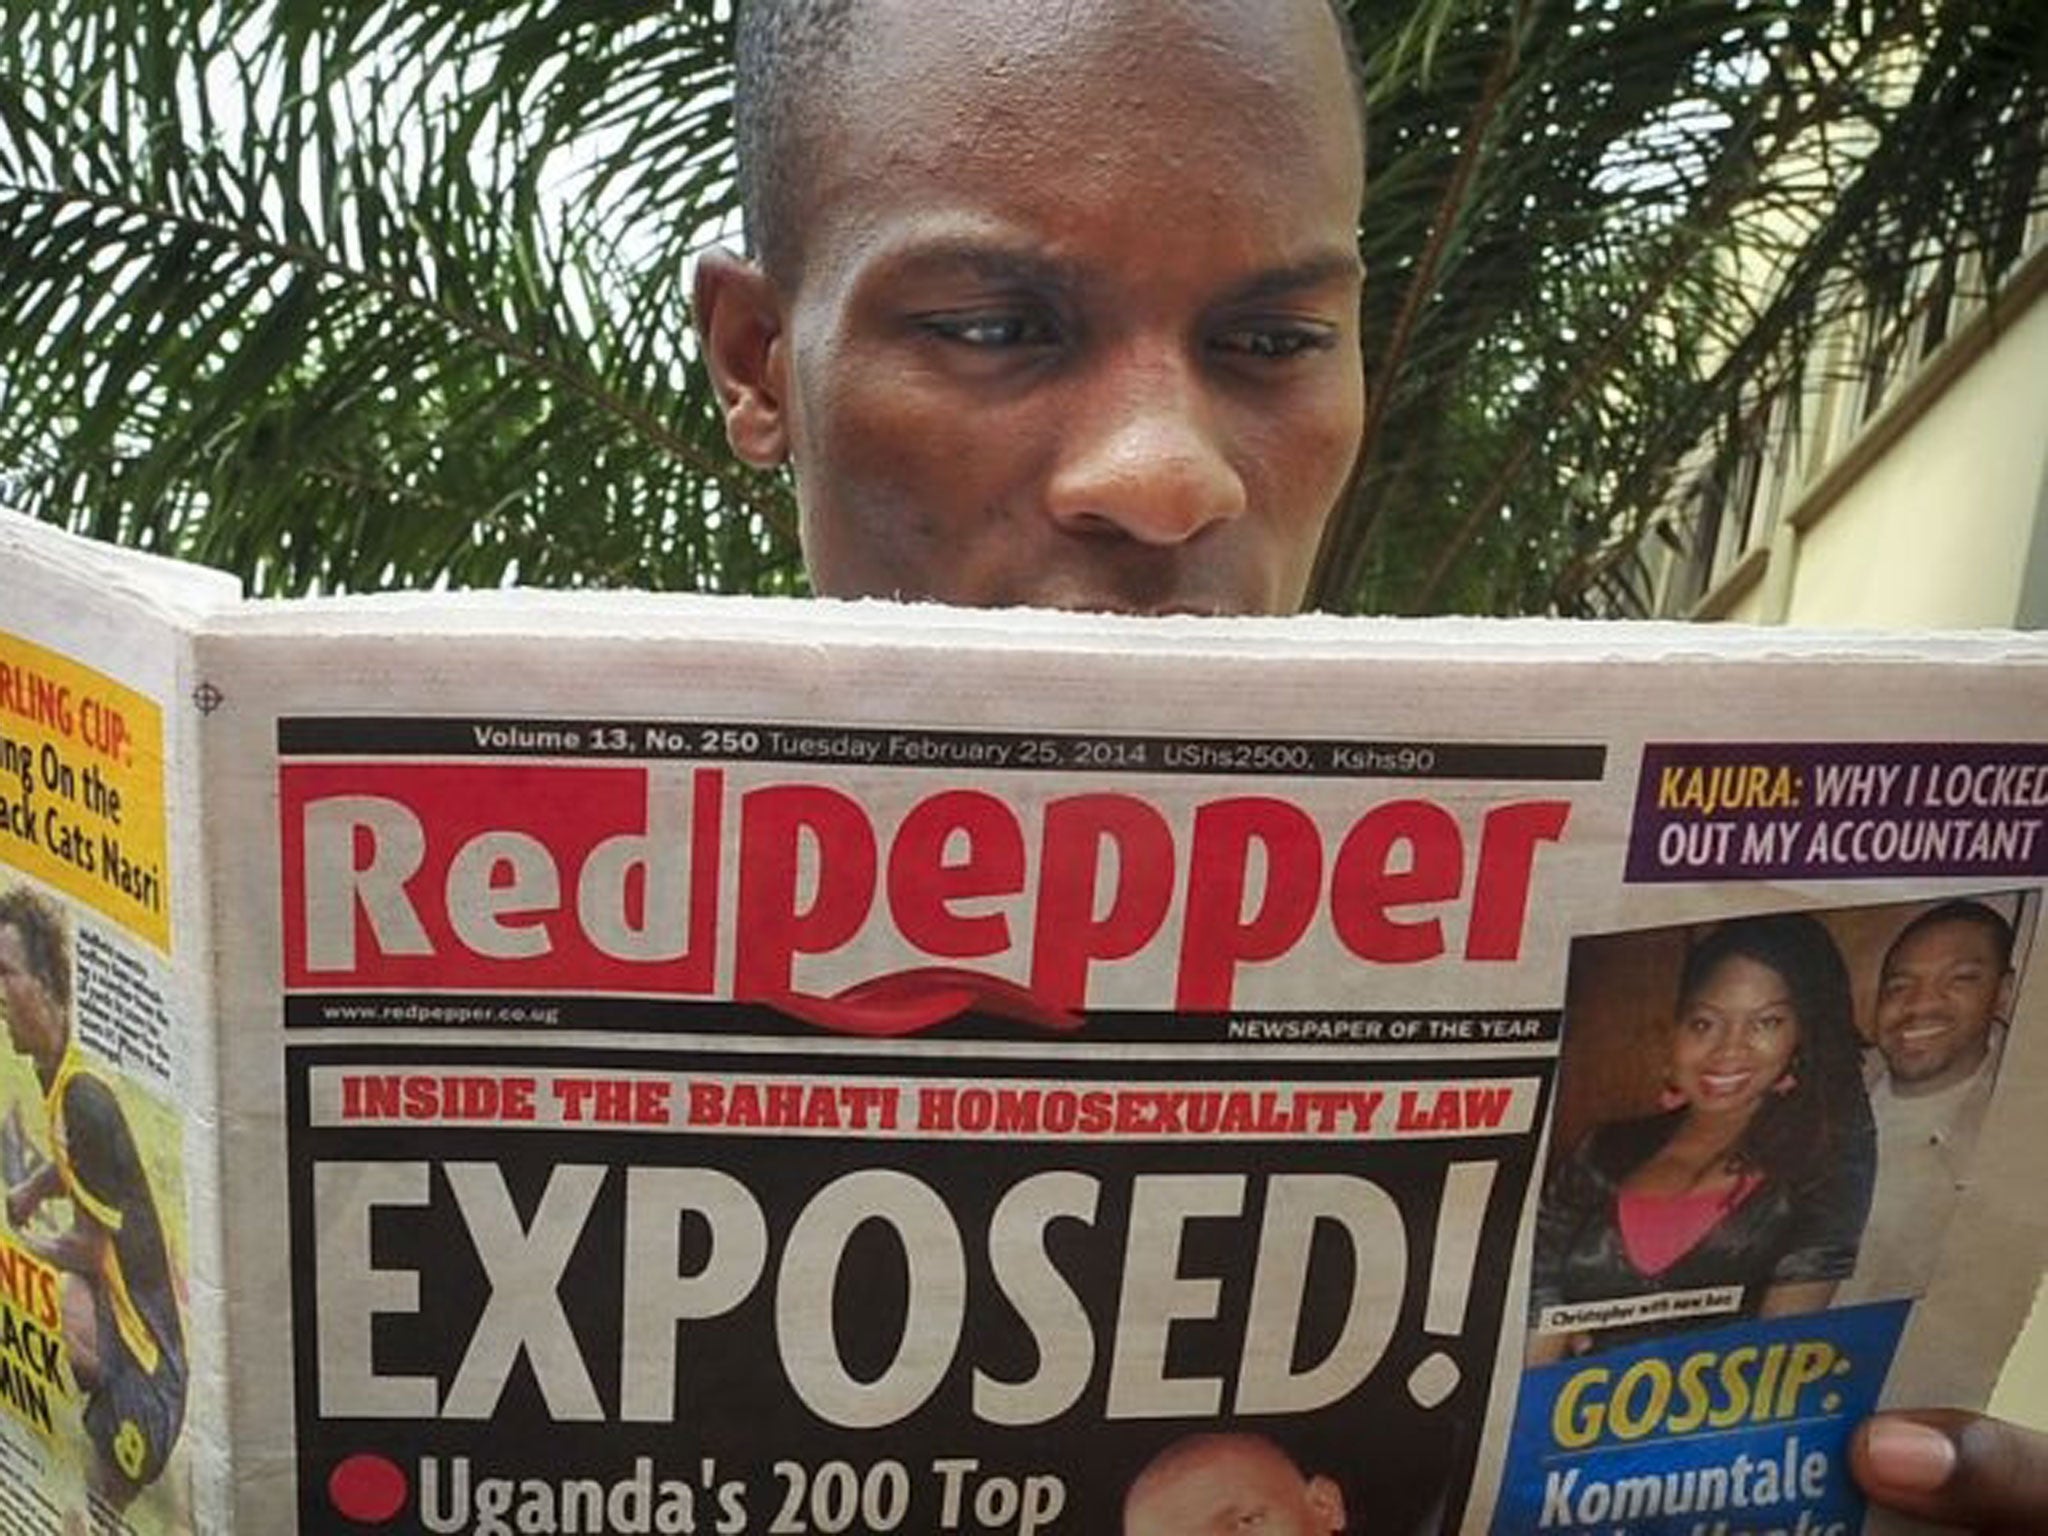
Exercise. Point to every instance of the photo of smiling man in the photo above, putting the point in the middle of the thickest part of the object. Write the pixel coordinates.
(1938, 1032)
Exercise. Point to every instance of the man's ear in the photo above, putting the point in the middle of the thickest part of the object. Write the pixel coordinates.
(1327, 1500)
(740, 328)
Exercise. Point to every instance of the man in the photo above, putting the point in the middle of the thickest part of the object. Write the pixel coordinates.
(1057, 305)
(1210, 1484)
(1943, 996)
(122, 1334)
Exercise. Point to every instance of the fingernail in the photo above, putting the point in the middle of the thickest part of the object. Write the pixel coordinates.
(1908, 1456)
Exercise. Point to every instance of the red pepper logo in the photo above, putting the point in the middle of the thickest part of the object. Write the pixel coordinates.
(910, 1002)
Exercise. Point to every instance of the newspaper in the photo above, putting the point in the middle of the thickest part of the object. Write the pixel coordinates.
(630, 1064)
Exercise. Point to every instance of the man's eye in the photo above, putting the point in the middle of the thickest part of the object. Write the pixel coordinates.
(1276, 343)
(995, 329)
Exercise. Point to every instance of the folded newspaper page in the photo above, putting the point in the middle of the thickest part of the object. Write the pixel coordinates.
(515, 1063)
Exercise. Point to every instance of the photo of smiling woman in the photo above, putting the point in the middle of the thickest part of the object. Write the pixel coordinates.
(1745, 1192)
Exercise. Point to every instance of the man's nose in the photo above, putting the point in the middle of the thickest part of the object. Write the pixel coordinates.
(1145, 457)
(1915, 996)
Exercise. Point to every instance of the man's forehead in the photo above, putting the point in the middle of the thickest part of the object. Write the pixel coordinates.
(988, 55)
(1033, 23)
(1946, 938)
(1223, 1468)
(1026, 110)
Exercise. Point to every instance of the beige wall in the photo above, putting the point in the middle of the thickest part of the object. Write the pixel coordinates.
(1939, 530)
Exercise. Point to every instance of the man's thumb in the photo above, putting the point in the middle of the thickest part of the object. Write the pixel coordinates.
(1956, 1468)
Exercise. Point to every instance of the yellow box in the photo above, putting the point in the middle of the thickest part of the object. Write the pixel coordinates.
(82, 786)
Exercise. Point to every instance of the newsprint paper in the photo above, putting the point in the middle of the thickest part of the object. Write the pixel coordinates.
(512, 1064)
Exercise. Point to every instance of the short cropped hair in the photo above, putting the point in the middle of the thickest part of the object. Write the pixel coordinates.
(787, 57)
(41, 927)
(1963, 910)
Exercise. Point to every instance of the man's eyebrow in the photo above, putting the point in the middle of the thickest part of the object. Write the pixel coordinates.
(1016, 267)
(999, 264)
(1299, 277)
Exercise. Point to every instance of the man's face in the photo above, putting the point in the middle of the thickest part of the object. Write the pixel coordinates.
(22, 995)
(1076, 320)
(1941, 989)
(1230, 1487)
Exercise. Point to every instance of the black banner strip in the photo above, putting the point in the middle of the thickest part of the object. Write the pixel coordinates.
(876, 747)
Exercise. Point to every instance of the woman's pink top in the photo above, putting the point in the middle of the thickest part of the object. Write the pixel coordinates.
(1659, 1230)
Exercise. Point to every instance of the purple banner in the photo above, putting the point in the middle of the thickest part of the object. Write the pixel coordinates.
(1839, 811)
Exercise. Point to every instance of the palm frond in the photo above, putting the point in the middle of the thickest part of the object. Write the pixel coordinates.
(362, 293)
(1667, 199)
(365, 294)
